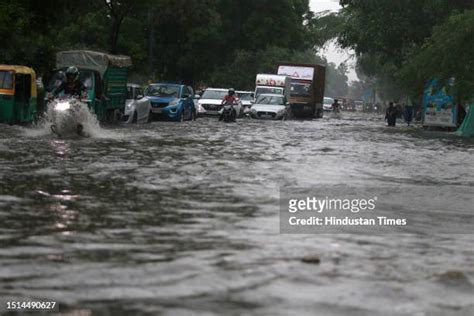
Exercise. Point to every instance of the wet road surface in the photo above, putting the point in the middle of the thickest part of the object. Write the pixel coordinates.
(182, 219)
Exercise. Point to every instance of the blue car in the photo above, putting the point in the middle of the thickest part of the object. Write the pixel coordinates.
(173, 102)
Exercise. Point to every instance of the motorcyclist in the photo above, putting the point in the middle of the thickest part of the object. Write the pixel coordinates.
(72, 86)
(229, 99)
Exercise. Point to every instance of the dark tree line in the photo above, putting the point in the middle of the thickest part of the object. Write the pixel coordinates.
(402, 44)
(218, 42)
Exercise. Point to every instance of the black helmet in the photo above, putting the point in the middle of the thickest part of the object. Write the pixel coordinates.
(231, 91)
(72, 72)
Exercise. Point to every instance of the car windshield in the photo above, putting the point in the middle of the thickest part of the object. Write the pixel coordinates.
(301, 89)
(86, 77)
(214, 94)
(245, 96)
(269, 90)
(328, 101)
(166, 91)
(270, 99)
(6, 79)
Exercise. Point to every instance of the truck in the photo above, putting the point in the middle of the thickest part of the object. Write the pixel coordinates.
(105, 77)
(273, 84)
(307, 88)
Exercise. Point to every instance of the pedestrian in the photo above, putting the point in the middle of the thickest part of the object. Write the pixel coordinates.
(408, 113)
(391, 115)
(336, 106)
(399, 110)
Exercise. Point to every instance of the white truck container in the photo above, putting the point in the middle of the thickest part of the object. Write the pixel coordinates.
(273, 84)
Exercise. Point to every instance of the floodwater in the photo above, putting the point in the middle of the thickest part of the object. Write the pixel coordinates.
(182, 219)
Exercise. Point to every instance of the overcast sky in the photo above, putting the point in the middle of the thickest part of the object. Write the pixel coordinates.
(331, 51)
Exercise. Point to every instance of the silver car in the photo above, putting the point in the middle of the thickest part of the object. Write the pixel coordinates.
(270, 106)
(137, 107)
(327, 104)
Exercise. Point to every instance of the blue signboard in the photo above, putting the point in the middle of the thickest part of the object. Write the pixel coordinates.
(439, 107)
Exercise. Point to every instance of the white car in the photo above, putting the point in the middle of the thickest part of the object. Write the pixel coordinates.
(137, 107)
(199, 108)
(327, 104)
(211, 101)
(270, 106)
(246, 97)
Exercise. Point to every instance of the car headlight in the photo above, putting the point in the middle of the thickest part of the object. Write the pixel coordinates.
(281, 112)
(253, 110)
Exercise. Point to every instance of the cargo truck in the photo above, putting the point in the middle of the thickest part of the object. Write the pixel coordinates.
(307, 88)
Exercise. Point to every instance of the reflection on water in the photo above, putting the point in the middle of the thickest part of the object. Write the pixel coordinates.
(183, 219)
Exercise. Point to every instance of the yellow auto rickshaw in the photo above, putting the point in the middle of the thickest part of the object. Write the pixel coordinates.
(18, 95)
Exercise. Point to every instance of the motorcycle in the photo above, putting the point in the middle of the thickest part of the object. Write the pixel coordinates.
(67, 115)
(228, 113)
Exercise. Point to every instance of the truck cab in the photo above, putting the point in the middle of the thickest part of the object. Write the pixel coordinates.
(307, 88)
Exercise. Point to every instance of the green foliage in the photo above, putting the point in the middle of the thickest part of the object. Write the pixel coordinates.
(448, 53)
(389, 37)
(219, 42)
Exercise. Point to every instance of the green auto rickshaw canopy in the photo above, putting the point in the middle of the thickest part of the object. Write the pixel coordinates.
(91, 60)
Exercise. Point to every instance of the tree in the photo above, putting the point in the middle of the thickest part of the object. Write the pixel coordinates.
(387, 34)
(118, 10)
(446, 54)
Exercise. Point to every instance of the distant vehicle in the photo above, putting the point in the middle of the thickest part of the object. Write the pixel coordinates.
(211, 101)
(173, 102)
(137, 107)
(200, 111)
(246, 97)
(272, 84)
(327, 104)
(270, 106)
(359, 105)
(307, 88)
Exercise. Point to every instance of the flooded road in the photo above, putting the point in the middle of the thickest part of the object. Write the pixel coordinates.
(182, 219)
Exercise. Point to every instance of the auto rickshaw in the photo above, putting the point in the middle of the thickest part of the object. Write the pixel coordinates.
(18, 96)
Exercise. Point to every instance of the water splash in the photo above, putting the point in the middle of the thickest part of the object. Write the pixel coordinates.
(65, 115)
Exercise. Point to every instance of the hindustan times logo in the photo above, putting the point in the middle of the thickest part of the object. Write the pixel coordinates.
(320, 205)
